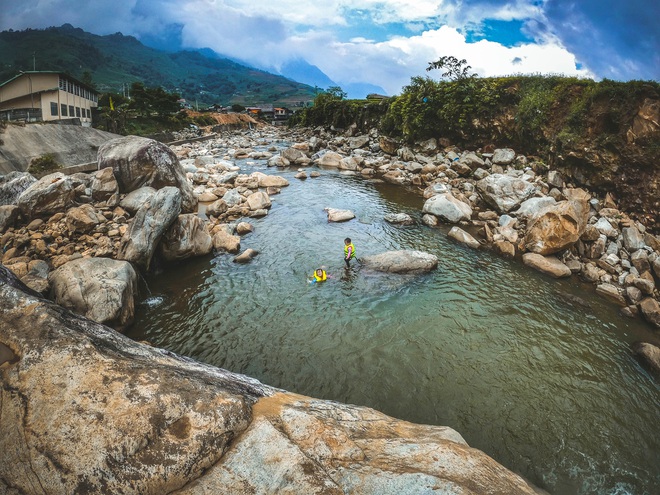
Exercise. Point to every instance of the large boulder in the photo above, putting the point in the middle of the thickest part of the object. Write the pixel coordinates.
(463, 237)
(150, 222)
(555, 228)
(138, 162)
(101, 289)
(330, 159)
(186, 237)
(51, 194)
(404, 261)
(87, 410)
(650, 309)
(503, 192)
(258, 200)
(446, 207)
(8, 216)
(12, 185)
(531, 207)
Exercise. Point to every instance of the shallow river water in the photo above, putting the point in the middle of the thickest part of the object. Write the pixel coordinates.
(544, 384)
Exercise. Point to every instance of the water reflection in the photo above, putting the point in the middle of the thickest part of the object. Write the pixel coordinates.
(535, 372)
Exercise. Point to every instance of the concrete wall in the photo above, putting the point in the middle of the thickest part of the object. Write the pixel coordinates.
(70, 145)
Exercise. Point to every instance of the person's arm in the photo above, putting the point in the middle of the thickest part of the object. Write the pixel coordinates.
(349, 253)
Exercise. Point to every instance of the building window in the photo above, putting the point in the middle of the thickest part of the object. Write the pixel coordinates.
(63, 110)
(53, 109)
(89, 113)
(69, 87)
(72, 112)
(62, 83)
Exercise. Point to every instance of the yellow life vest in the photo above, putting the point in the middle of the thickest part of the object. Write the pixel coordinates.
(346, 246)
(322, 278)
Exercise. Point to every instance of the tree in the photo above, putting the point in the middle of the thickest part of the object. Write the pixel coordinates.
(454, 69)
(336, 93)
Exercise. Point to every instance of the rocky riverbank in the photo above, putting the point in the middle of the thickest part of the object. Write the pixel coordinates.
(81, 240)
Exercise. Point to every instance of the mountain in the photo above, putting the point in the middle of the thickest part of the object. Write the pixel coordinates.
(115, 61)
(304, 72)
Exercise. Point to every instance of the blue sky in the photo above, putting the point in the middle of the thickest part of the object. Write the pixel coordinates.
(382, 42)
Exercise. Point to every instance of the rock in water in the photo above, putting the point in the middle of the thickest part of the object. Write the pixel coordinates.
(186, 237)
(101, 289)
(404, 261)
(87, 410)
(149, 224)
(138, 162)
(335, 215)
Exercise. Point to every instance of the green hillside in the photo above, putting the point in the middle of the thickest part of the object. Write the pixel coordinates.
(115, 60)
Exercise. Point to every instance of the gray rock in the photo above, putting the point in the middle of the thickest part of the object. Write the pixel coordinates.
(531, 207)
(504, 193)
(51, 194)
(104, 187)
(139, 162)
(399, 219)
(463, 237)
(404, 261)
(101, 289)
(632, 239)
(12, 185)
(335, 215)
(147, 227)
(186, 237)
(549, 265)
(135, 199)
(503, 156)
(446, 207)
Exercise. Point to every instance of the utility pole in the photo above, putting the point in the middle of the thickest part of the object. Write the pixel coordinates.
(34, 61)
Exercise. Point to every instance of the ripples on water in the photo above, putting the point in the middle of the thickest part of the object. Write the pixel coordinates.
(544, 384)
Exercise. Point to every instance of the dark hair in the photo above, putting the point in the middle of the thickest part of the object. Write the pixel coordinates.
(348, 239)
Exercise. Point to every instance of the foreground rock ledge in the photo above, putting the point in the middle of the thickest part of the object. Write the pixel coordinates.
(84, 409)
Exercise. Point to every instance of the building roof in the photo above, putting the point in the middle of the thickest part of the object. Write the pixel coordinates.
(60, 73)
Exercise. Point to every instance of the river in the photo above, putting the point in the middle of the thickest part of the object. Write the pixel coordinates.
(545, 384)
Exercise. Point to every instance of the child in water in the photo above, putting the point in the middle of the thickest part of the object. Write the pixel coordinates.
(349, 251)
(319, 275)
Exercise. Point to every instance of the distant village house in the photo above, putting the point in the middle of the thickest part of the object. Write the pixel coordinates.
(34, 96)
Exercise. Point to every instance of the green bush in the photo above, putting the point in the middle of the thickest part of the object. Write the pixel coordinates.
(44, 163)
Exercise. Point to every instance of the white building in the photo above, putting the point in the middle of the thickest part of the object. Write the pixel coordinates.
(46, 96)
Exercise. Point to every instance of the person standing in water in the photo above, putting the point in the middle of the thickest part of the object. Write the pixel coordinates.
(349, 251)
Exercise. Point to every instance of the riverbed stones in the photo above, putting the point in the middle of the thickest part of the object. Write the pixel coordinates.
(187, 237)
(138, 162)
(100, 289)
(49, 195)
(8, 216)
(83, 219)
(503, 192)
(264, 180)
(402, 261)
(447, 208)
(503, 156)
(550, 265)
(611, 293)
(337, 215)
(149, 224)
(463, 237)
